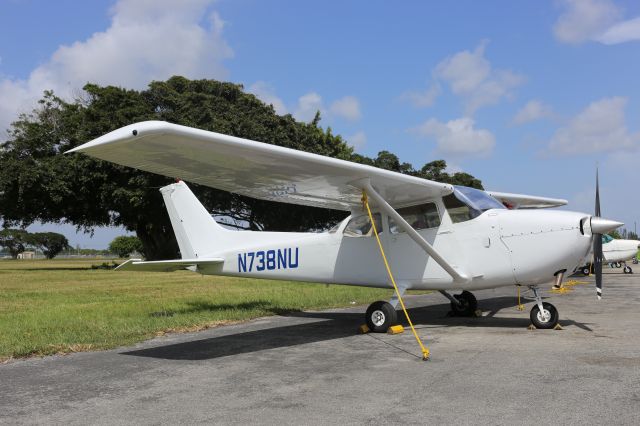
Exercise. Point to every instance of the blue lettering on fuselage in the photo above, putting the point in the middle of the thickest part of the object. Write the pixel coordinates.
(268, 260)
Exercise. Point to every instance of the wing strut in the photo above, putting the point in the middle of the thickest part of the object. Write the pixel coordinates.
(365, 185)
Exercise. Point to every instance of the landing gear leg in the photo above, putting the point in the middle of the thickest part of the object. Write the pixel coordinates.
(463, 304)
(543, 314)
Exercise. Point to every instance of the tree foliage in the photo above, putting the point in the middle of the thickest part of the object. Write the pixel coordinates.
(123, 246)
(50, 243)
(15, 241)
(39, 183)
(18, 240)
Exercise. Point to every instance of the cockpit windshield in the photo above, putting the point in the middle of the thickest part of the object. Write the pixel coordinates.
(480, 200)
(606, 238)
(468, 203)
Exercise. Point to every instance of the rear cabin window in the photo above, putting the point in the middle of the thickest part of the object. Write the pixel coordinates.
(360, 226)
(423, 216)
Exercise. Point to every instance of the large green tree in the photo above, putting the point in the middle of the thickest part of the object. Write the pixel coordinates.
(39, 183)
(124, 245)
(14, 240)
(50, 243)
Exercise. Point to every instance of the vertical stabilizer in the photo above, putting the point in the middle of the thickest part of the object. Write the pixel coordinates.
(197, 232)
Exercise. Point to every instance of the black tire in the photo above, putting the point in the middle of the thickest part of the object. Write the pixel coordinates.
(468, 304)
(380, 316)
(627, 270)
(618, 265)
(586, 270)
(539, 322)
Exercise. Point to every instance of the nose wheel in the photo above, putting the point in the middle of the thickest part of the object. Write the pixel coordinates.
(380, 316)
(543, 315)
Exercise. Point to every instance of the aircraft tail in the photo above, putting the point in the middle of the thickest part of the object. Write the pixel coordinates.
(197, 232)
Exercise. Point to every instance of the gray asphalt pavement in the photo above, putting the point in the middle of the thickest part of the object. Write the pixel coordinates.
(312, 368)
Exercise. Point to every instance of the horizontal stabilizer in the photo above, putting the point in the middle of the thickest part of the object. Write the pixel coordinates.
(522, 201)
(165, 265)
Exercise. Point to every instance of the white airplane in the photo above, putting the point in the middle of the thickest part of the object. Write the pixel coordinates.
(616, 252)
(437, 236)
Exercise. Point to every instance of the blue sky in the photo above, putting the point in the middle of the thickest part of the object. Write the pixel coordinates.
(528, 96)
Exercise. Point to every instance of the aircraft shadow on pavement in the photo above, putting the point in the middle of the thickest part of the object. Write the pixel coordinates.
(336, 325)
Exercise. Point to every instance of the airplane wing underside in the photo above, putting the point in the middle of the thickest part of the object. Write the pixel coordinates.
(252, 168)
(521, 201)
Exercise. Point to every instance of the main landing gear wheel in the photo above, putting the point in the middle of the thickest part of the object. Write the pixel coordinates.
(546, 319)
(586, 270)
(380, 316)
(627, 270)
(468, 304)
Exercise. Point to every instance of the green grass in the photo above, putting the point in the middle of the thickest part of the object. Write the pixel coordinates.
(60, 306)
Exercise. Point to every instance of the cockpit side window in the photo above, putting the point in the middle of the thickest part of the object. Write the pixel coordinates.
(360, 226)
(606, 238)
(423, 216)
(458, 210)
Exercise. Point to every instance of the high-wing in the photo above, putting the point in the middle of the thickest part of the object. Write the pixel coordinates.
(252, 168)
(521, 201)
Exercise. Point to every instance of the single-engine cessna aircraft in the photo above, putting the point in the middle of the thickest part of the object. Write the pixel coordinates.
(437, 236)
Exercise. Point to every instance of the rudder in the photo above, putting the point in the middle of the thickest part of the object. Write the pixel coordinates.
(197, 233)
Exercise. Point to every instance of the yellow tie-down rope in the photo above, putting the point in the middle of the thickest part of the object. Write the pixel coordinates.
(425, 351)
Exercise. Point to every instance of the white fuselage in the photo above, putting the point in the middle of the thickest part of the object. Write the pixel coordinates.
(620, 250)
(497, 248)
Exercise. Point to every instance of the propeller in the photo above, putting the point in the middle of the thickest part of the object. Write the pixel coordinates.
(600, 226)
(597, 244)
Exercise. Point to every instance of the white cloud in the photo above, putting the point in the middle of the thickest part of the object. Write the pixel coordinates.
(307, 107)
(423, 99)
(594, 20)
(147, 40)
(347, 107)
(308, 104)
(470, 76)
(584, 19)
(266, 93)
(357, 140)
(600, 127)
(621, 32)
(465, 71)
(458, 137)
(532, 111)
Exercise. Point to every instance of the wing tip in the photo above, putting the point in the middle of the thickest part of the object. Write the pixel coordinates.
(130, 132)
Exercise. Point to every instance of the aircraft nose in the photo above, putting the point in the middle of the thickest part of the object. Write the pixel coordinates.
(601, 225)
